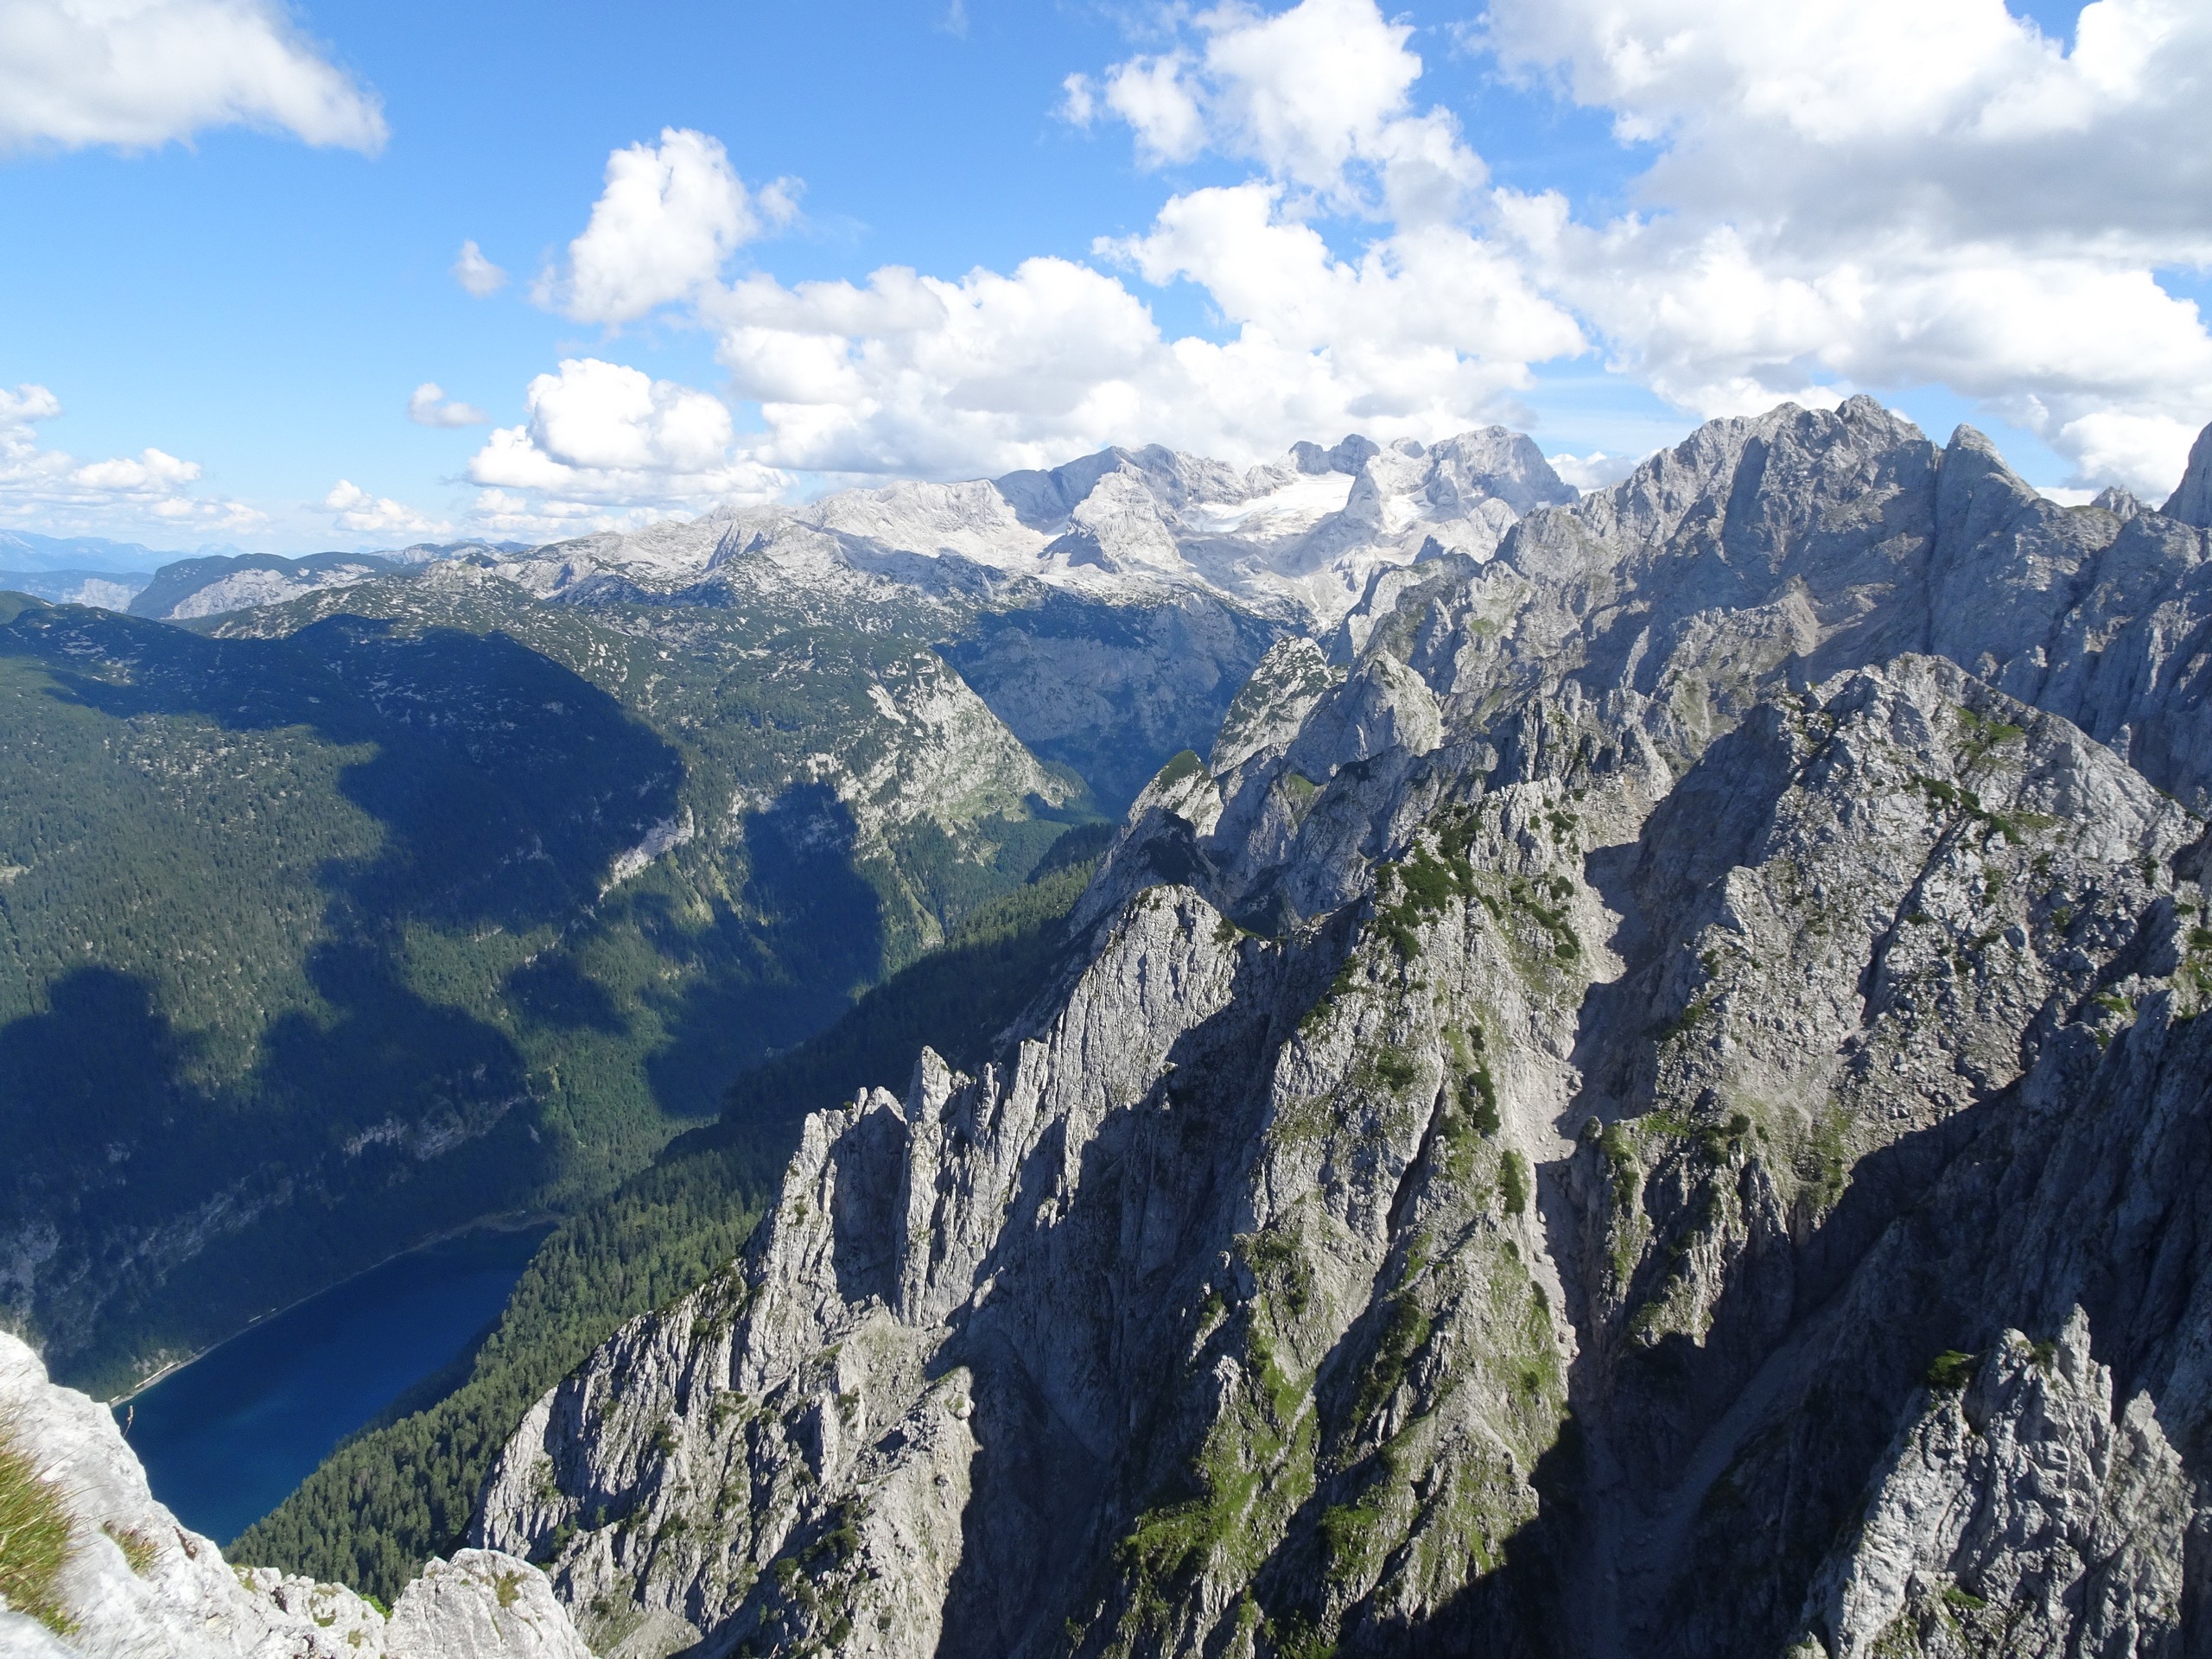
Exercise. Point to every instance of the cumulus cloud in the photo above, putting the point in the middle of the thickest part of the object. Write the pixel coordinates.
(1596, 471)
(1895, 193)
(504, 516)
(1078, 99)
(138, 73)
(667, 221)
(1424, 329)
(1955, 118)
(477, 274)
(995, 371)
(1320, 96)
(1427, 329)
(53, 489)
(428, 406)
(600, 435)
(1876, 195)
(356, 509)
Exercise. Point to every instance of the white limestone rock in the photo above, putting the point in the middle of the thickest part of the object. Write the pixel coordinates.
(2019, 1514)
(2192, 501)
(1301, 539)
(137, 1585)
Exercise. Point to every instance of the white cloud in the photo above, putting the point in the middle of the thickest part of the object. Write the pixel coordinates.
(1845, 195)
(1153, 95)
(52, 490)
(1895, 193)
(600, 434)
(138, 74)
(1595, 471)
(668, 218)
(427, 406)
(477, 274)
(1078, 100)
(357, 510)
(1426, 330)
(2144, 453)
(1954, 116)
(911, 373)
(1320, 96)
(502, 515)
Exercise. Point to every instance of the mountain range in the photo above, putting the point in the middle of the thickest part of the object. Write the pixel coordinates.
(1629, 1081)
(1300, 539)
(507, 859)
(1658, 1107)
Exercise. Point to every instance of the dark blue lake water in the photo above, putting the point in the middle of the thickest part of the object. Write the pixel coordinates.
(226, 1439)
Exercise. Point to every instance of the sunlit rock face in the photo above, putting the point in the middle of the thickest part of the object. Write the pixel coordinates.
(127, 1580)
(1647, 1098)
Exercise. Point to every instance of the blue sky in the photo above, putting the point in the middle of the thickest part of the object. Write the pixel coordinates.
(263, 307)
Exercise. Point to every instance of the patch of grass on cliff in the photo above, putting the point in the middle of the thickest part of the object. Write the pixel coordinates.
(137, 1548)
(1984, 734)
(1183, 763)
(1824, 1162)
(1254, 1471)
(35, 1541)
(1405, 1333)
(1952, 1369)
(1513, 1181)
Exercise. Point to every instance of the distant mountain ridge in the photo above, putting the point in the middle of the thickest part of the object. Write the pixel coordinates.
(211, 586)
(23, 549)
(123, 576)
(1298, 540)
(1301, 540)
(106, 590)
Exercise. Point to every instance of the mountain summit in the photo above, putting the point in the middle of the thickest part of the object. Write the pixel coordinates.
(1658, 1106)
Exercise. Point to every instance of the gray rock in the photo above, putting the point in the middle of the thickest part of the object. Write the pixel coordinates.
(2192, 501)
(1521, 1120)
(481, 1604)
(2018, 1513)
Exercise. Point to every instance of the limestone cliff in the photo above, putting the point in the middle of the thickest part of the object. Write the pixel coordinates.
(96, 1567)
(1657, 1105)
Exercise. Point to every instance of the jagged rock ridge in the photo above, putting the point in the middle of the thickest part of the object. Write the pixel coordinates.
(1657, 1104)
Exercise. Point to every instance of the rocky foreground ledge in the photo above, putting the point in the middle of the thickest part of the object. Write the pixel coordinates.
(91, 1565)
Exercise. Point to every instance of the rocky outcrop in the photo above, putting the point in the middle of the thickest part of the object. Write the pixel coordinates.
(2192, 501)
(2018, 1513)
(216, 584)
(121, 1578)
(1547, 1141)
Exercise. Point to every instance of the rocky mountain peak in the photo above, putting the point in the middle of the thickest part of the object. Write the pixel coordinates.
(1607, 1118)
(2192, 501)
(1347, 456)
(1298, 541)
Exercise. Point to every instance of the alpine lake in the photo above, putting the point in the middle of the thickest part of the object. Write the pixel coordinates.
(227, 1438)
